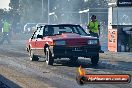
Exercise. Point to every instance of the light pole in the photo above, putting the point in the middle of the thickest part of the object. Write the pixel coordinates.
(42, 8)
(48, 12)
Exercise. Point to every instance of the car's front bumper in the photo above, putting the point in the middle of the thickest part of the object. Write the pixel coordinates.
(83, 51)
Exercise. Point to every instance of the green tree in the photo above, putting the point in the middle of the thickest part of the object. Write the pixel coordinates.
(31, 11)
(14, 13)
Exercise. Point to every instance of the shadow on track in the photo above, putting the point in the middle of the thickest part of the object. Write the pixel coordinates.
(80, 62)
(6, 83)
(103, 64)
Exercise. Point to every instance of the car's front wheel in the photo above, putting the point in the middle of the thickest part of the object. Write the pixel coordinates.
(95, 60)
(32, 56)
(49, 58)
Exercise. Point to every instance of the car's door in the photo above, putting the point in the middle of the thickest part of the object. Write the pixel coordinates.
(40, 43)
(33, 42)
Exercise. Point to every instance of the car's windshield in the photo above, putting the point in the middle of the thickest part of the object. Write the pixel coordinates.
(59, 29)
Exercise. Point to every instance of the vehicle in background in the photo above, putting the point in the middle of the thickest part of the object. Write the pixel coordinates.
(62, 41)
(28, 28)
(40, 24)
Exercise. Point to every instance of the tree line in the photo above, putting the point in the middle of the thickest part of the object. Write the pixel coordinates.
(34, 11)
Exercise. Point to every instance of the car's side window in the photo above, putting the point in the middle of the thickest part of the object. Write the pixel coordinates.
(41, 31)
(46, 31)
(35, 34)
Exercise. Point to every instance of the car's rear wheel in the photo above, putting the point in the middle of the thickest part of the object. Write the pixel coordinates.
(32, 56)
(94, 60)
(27, 50)
(73, 59)
(49, 58)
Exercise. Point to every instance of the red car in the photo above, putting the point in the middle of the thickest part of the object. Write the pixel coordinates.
(62, 41)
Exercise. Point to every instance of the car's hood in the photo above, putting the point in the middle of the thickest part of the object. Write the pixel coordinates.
(73, 39)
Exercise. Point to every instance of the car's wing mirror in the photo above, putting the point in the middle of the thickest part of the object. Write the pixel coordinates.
(41, 26)
(38, 28)
(39, 36)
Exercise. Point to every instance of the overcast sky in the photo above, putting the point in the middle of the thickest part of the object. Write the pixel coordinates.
(4, 4)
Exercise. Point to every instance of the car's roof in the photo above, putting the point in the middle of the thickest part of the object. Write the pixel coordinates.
(59, 25)
(62, 24)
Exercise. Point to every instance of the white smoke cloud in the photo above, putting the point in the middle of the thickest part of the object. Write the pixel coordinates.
(4, 4)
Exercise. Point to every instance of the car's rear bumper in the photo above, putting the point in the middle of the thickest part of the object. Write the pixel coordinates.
(66, 52)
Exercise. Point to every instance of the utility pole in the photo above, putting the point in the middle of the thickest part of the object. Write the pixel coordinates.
(48, 12)
(42, 8)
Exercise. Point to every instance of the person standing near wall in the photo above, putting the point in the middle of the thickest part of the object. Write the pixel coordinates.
(93, 27)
